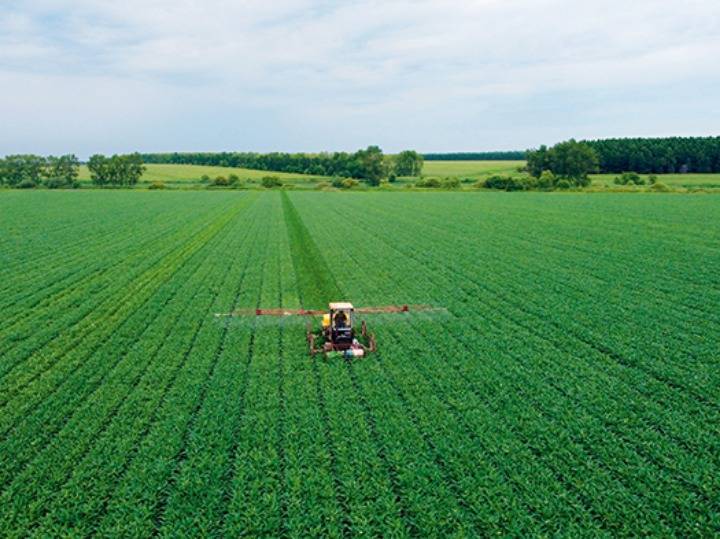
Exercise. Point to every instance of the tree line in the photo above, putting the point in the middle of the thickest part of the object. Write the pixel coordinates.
(29, 171)
(476, 156)
(618, 155)
(658, 155)
(369, 164)
(116, 171)
(570, 161)
(573, 161)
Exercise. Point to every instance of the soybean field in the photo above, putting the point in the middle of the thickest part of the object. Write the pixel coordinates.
(570, 386)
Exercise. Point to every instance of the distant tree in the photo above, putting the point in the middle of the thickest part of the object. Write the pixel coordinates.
(573, 160)
(538, 161)
(408, 163)
(361, 165)
(658, 155)
(570, 160)
(61, 171)
(99, 167)
(371, 165)
(127, 169)
(26, 169)
(116, 170)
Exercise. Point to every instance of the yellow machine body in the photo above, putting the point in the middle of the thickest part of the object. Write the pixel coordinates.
(326, 321)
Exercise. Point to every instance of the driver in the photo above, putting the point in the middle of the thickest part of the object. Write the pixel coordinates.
(340, 320)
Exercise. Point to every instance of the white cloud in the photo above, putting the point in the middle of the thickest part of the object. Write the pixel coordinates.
(303, 74)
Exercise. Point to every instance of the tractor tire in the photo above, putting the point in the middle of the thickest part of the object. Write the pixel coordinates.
(311, 343)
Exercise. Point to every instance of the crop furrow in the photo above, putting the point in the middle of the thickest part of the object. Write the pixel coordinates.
(433, 266)
(83, 317)
(56, 470)
(183, 456)
(74, 282)
(112, 320)
(135, 436)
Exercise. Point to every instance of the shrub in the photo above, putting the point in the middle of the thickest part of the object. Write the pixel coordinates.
(234, 180)
(563, 184)
(507, 183)
(652, 179)
(659, 187)
(271, 181)
(428, 182)
(157, 184)
(220, 181)
(204, 178)
(59, 183)
(547, 180)
(26, 184)
(629, 178)
(349, 183)
(321, 186)
(437, 183)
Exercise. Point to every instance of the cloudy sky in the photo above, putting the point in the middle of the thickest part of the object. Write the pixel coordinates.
(89, 76)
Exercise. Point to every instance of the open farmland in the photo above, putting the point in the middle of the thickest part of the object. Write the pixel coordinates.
(691, 182)
(571, 387)
(190, 175)
(470, 169)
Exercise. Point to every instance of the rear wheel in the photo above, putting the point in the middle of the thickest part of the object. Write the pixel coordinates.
(311, 343)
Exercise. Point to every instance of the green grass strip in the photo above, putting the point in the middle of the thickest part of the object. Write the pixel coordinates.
(316, 283)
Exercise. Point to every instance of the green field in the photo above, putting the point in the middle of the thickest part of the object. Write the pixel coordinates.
(470, 169)
(571, 387)
(188, 175)
(482, 169)
(681, 181)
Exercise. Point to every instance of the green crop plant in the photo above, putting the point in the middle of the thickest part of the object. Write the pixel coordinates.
(569, 388)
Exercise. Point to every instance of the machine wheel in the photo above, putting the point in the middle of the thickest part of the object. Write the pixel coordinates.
(311, 343)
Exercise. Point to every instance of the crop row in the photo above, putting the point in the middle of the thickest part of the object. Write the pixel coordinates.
(660, 367)
(67, 276)
(123, 398)
(82, 354)
(83, 305)
(481, 287)
(655, 457)
(521, 410)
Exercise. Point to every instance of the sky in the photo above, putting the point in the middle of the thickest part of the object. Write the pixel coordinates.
(89, 76)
